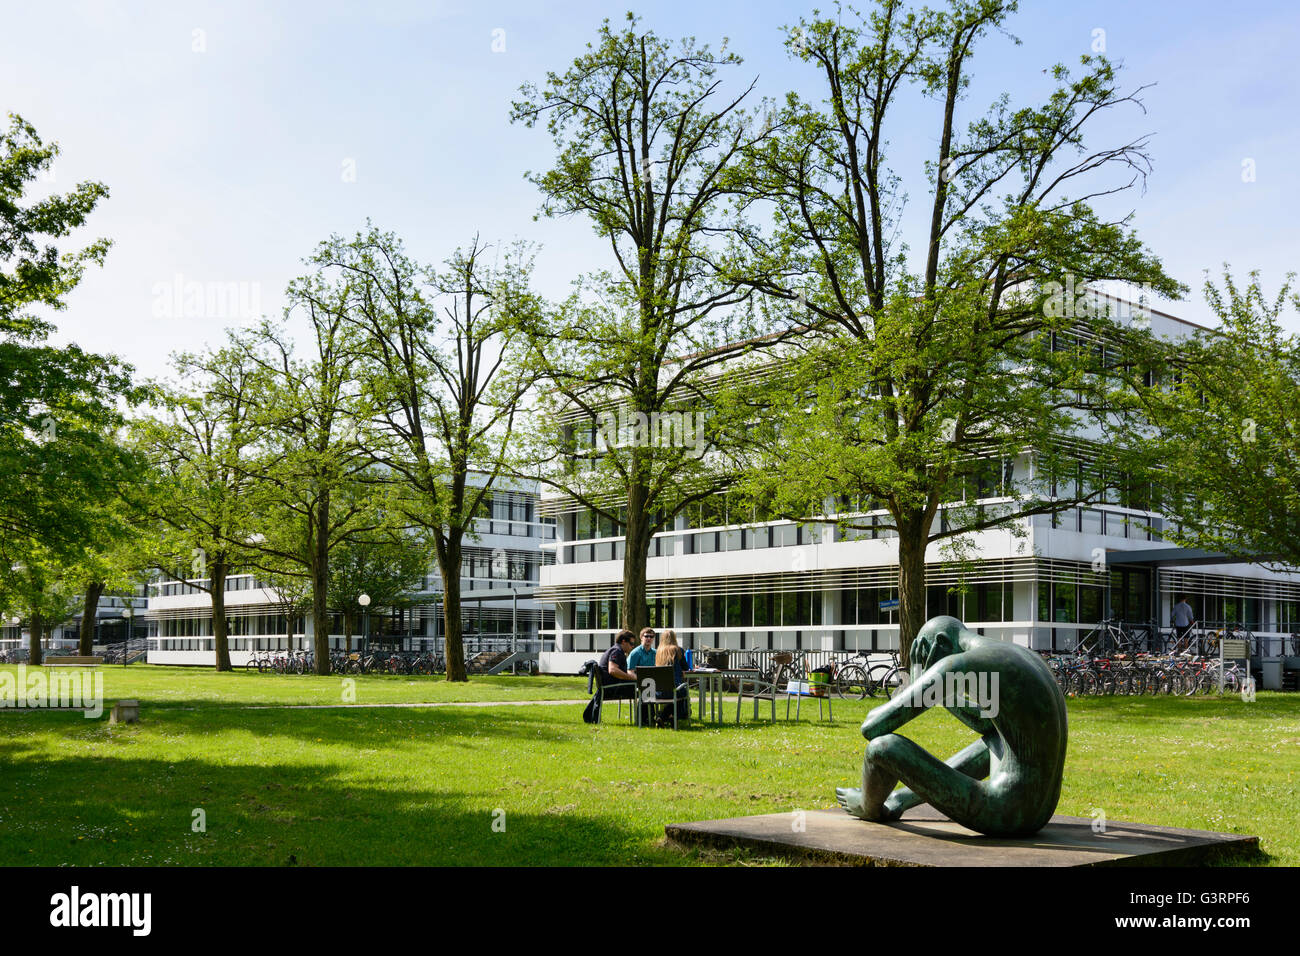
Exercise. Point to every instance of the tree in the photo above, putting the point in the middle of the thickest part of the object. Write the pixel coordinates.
(202, 443)
(292, 592)
(921, 369)
(649, 149)
(113, 564)
(308, 487)
(60, 461)
(1223, 408)
(40, 591)
(436, 363)
(384, 566)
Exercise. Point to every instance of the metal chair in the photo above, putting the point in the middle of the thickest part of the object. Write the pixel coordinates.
(760, 690)
(822, 702)
(650, 682)
(602, 687)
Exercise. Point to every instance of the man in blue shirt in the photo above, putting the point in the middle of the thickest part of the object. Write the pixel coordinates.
(643, 656)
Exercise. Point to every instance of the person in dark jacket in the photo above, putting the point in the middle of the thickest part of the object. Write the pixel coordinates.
(616, 681)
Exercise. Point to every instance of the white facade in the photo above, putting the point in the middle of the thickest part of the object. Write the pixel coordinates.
(501, 565)
(779, 585)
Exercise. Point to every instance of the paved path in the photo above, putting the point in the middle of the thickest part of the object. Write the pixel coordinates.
(437, 703)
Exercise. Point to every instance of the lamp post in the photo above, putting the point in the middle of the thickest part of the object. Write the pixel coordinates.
(364, 601)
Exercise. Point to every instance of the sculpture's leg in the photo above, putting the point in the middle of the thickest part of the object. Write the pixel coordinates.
(973, 762)
(952, 792)
(949, 790)
(868, 803)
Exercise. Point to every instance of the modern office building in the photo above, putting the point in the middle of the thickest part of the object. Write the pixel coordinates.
(722, 579)
(117, 618)
(500, 570)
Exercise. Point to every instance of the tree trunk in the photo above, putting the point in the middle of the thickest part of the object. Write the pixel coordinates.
(913, 534)
(320, 570)
(217, 569)
(35, 632)
(453, 625)
(88, 607)
(636, 543)
(347, 631)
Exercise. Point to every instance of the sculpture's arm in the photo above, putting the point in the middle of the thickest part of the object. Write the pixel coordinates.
(970, 716)
(906, 705)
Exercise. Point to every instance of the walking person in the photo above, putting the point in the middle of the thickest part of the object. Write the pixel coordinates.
(1184, 621)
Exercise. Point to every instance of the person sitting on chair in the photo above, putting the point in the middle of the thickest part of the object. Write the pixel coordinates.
(671, 654)
(618, 681)
(644, 654)
(1003, 692)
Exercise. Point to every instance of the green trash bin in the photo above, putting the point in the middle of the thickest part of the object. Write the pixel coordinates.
(819, 683)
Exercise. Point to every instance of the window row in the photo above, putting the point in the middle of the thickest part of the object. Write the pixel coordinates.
(596, 615)
(1067, 602)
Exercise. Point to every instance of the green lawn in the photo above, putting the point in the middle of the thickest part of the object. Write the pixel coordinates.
(411, 785)
(189, 686)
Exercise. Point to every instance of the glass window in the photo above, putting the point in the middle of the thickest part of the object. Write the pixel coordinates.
(849, 606)
(1064, 610)
(735, 614)
(1091, 605)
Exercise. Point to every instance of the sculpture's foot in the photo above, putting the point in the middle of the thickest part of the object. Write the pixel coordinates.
(850, 798)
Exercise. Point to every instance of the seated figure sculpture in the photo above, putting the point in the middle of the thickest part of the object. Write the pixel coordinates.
(1008, 782)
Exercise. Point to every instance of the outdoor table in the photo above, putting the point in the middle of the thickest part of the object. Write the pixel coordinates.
(710, 682)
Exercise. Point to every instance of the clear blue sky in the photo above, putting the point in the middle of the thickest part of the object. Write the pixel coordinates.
(227, 164)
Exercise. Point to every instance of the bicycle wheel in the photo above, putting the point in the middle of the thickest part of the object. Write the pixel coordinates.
(853, 682)
(891, 681)
(876, 679)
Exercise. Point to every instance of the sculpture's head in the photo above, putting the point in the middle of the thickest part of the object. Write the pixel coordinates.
(937, 638)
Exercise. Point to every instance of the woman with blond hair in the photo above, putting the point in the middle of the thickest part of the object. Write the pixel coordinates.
(671, 654)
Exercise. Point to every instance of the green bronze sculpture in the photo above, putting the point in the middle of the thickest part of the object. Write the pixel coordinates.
(1003, 692)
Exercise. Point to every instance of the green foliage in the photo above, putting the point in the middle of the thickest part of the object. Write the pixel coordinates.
(60, 408)
(1225, 407)
(919, 369)
(648, 147)
(387, 567)
(203, 439)
(435, 357)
